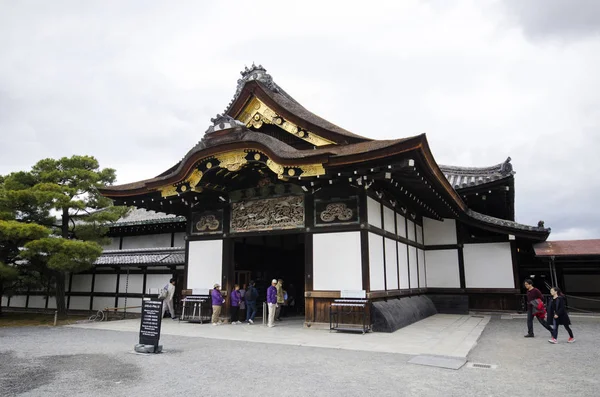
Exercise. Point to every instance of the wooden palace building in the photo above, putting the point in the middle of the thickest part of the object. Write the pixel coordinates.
(274, 191)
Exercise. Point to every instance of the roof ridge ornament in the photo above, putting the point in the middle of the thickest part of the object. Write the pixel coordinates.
(223, 122)
(258, 73)
(506, 167)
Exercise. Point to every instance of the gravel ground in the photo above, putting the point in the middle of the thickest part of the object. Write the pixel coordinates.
(47, 361)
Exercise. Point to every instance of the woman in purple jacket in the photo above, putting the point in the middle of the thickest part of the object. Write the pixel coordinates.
(236, 298)
(217, 303)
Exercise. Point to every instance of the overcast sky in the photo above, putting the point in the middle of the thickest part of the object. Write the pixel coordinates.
(136, 83)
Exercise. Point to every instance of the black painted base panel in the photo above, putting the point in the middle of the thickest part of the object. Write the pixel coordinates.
(450, 304)
(393, 314)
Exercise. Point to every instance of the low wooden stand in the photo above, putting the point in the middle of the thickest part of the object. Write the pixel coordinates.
(343, 308)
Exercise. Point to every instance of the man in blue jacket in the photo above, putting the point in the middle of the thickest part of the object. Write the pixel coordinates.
(272, 302)
(250, 296)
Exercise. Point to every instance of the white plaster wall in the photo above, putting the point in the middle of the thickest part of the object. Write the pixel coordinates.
(101, 302)
(4, 301)
(113, 245)
(157, 281)
(18, 301)
(419, 234)
(403, 265)
(179, 240)
(422, 276)
(51, 302)
(391, 264)
(442, 269)
(135, 285)
(401, 222)
(105, 283)
(388, 220)
(374, 212)
(411, 231)
(414, 269)
(37, 301)
(131, 302)
(81, 283)
(79, 303)
(205, 264)
(488, 266)
(147, 241)
(337, 262)
(439, 233)
(376, 262)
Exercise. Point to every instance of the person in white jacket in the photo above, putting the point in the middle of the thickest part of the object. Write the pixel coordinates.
(168, 301)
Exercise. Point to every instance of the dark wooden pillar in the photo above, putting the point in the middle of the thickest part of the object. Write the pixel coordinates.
(364, 240)
(461, 256)
(69, 292)
(93, 286)
(309, 216)
(118, 271)
(515, 263)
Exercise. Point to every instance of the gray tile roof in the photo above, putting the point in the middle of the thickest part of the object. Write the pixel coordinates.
(147, 256)
(506, 223)
(463, 177)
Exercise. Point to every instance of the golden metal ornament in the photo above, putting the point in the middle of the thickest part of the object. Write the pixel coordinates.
(233, 161)
(167, 191)
(276, 168)
(312, 170)
(194, 178)
(255, 113)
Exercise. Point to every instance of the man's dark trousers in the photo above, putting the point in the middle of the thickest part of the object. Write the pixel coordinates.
(530, 321)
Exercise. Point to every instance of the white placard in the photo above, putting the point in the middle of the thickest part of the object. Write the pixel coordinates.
(362, 294)
(200, 291)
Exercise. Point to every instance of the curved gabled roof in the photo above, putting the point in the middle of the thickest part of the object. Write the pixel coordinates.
(257, 82)
(464, 177)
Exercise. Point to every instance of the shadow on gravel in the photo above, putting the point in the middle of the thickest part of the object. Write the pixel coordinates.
(20, 375)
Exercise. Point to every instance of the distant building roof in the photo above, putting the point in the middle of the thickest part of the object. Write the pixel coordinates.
(140, 216)
(147, 256)
(463, 177)
(568, 248)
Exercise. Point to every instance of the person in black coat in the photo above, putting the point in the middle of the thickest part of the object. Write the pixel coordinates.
(557, 312)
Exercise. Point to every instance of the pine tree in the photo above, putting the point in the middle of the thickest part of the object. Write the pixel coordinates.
(67, 187)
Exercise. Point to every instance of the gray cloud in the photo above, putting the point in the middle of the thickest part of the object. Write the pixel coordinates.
(556, 19)
(136, 83)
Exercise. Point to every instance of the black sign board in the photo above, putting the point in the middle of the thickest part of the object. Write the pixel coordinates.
(207, 222)
(339, 211)
(151, 320)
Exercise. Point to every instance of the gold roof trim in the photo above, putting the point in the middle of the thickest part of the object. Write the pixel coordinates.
(256, 113)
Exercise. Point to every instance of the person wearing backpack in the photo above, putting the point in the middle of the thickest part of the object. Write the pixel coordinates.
(535, 308)
(167, 294)
(251, 296)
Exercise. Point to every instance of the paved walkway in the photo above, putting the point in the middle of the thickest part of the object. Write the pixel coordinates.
(441, 334)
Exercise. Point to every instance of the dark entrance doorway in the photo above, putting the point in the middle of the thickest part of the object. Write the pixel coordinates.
(264, 258)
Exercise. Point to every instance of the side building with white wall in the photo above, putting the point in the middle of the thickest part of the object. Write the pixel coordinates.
(146, 250)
